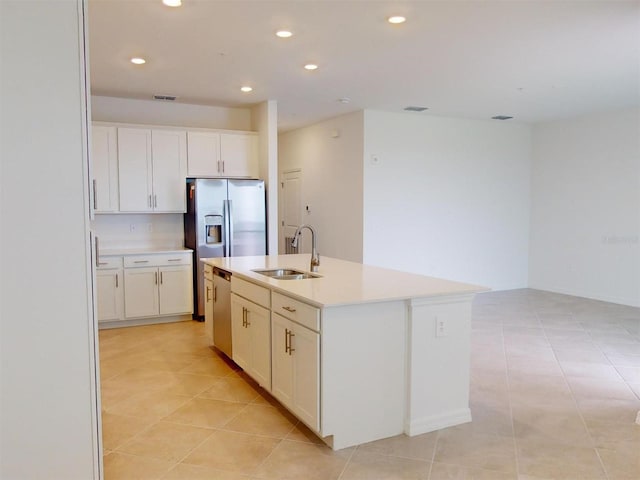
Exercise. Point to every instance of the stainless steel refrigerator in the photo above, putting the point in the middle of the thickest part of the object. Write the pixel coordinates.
(225, 218)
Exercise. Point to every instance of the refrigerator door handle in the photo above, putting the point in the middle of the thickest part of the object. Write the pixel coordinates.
(230, 222)
(226, 224)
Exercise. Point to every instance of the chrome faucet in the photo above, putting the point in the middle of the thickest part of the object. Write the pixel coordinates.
(315, 258)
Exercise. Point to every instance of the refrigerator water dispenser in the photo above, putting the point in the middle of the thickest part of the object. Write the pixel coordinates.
(213, 229)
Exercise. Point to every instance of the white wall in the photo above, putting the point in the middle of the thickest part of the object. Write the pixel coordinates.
(158, 230)
(585, 221)
(46, 340)
(331, 181)
(155, 112)
(447, 197)
(264, 120)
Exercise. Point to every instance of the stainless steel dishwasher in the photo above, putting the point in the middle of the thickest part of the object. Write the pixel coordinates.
(222, 310)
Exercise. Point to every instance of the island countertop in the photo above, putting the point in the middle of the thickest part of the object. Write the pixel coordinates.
(341, 282)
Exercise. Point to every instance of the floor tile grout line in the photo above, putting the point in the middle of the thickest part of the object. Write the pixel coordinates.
(508, 378)
(346, 464)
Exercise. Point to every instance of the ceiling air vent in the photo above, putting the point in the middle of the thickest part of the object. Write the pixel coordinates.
(501, 117)
(169, 98)
(415, 109)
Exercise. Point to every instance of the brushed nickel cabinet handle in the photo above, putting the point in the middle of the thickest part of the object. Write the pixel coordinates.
(286, 340)
(223, 166)
(95, 198)
(174, 260)
(97, 246)
(289, 309)
(207, 296)
(141, 261)
(155, 201)
(215, 293)
(103, 263)
(156, 278)
(247, 315)
(160, 278)
(116, 280)
(149, 201)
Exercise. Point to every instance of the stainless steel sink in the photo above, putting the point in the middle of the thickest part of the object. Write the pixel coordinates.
(286, 274)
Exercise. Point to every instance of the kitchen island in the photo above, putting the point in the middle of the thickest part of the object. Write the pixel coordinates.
(358, 353)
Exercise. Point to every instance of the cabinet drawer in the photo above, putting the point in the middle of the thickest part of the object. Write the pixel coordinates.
(250, 291)
(296, 310)
(159, 260)
(208, 272)
(108, 263)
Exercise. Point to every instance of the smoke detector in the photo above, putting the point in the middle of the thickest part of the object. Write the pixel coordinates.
(169, 98)
(415, 109)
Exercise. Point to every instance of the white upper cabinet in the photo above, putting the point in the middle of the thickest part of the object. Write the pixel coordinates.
(169, 154)
(203, 154)
(212, 154)
(239, 155)
(152, 170)
(134, 169)
(104, 158)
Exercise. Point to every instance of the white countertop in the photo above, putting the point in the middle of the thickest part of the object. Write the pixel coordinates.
(106, 252)
(342, 282)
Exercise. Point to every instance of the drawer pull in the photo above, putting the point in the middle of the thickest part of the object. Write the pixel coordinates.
(175, 260)
(103, 263)
(141, 261)
(289, 309)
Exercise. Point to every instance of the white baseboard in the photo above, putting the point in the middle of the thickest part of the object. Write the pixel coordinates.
(437, 422)
(136, 322)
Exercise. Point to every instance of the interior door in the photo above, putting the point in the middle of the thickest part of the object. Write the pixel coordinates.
(291, 209)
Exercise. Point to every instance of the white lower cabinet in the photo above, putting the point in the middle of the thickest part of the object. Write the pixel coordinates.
(251, 333)
(296, 369)
(208, 303)
(141, 292)
(109, 295)
(157, 285)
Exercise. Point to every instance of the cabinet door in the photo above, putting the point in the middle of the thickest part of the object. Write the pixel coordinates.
(239, 155)
(208, 310)
(305, 344)
(282, 361)
(203, 159)
(134, 169)
(104, 164)
(109, 295)
(259, 325)
(169, 154)
(176, 290)
(140, 292)
(240, 333)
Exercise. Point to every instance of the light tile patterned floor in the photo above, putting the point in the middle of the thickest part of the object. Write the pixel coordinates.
(555, 390)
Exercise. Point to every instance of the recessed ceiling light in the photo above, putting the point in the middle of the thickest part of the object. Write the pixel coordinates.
(172, 3)
(396, 19)
(138, 60)
(246, 89)
(311, 66)
(284, 33)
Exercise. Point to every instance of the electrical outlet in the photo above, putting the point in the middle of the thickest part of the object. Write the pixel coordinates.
(441, 327)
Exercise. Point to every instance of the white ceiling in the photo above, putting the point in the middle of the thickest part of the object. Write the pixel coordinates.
(534, 60)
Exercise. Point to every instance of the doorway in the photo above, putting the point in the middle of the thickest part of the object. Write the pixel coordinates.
(291, 209)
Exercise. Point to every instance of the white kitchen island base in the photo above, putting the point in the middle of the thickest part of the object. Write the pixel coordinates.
(362, 353)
